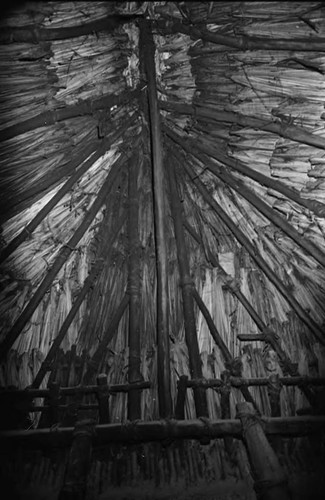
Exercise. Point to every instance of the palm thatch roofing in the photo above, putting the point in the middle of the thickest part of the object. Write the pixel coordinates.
(162, 175)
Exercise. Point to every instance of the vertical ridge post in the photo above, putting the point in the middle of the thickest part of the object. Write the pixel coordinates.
(147, 53)
(134, 374)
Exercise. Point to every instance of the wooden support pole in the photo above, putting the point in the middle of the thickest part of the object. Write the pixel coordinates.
(103, 398)
(224, 391)
(270, 480)
(147, 51)
(134, 367)
(88, 283)
(252, 250)
(181, 397)
(274, 391)
(160, 430)
(62, 257)
(75, 481)
(187, 295)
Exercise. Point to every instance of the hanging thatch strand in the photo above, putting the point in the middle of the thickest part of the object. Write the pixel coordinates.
(134, 372)
(89, 281)
(84, 107)
(283, 129)
(64, 253)
(243, 42)
(187, 296)
(147, 49)
(34, 34)
(314, 328)
(250, 196)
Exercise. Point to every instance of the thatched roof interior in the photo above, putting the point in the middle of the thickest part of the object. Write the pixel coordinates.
(240, 95)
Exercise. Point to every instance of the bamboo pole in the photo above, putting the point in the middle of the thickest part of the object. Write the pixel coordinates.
(103, 398)
(314, 328)
(187, 295)
(89, 281)
(84, 107)
(64, 253)
(244, 42)
(147, 52)
(34, 34)
(134, 367)
(161, 430)
(317, 207)
(270, 479)
(75, 480)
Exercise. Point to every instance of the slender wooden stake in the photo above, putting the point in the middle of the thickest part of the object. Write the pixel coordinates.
(270, 480)
(187, 295)
(147, 49)
(252, 250)
(181, 396)
(244, 42)
(52, 415)
(75, 481)
(134, 368)
(85, 107)
(88, 283)
(225, 409)
(274, 390)
(103, 398)
(64, 253)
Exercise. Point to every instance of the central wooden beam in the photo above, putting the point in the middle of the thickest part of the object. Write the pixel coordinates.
(147, 54)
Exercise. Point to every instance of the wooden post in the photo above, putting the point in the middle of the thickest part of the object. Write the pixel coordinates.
(181, 397)
(75, 481)
(270, 480)
(52, 415)
(134, 373)
(147, 52)
(225, 407)
(103, 398)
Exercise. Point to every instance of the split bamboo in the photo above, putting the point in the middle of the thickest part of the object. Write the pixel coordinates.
(147, 51)
(134, 368)
(64, 253)
(314, 328)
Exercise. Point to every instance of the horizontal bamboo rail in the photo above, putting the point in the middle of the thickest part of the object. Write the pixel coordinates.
(71, 391)
(243, 42)
(34, 34)
(161, 430)
(84, 107)
(257, 382)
